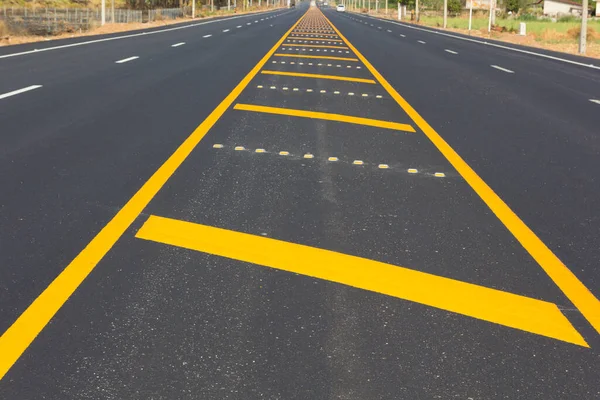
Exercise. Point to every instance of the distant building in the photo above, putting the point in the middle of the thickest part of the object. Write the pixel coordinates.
(555, 8)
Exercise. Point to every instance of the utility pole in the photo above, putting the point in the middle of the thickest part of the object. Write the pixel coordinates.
(445, 13)
(193, 9)
(386, 7)
(112, 11)
(103, 13)
(417, 10)
(583, 34)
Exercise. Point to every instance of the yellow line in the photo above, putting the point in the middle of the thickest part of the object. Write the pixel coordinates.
(475, 301)
(314, 40)
(31, 322)
(319, 76)
(566, 280)
(307, 56)
(315, 45)
(321, 34)
(326, 116)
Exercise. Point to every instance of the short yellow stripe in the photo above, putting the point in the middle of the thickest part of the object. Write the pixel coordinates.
(475, 301)
(319, 76)
(326, 116)
(307, 56)
(314, 40)
(315, 45)
(321, 34)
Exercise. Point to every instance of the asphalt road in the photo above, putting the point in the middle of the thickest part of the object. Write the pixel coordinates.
(301, 204)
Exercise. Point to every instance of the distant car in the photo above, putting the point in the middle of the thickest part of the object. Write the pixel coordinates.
(341, 7)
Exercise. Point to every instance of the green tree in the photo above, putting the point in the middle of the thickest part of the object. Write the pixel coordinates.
(512, 5)
(454, 6)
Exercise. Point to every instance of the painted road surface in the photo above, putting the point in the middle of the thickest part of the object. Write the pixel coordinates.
(300, 206)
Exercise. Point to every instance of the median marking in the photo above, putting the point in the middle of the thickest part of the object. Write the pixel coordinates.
(126, 60)
(19, 91)
(496, 306)
(325, 116)
(323, 46)
(502, 69)
(318, 76)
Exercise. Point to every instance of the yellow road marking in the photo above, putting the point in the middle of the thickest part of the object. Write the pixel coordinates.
(475, 301)
(326, 116)
(318, 76)
(571, 286)
(315, 45)
(314, 40)
(307, 56)
(24, 330)
(316, 34)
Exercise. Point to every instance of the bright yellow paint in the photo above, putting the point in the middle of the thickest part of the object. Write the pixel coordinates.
(475, 301)
(566, 280)
(314, 40)
(323, 57)
(326, 116)
(315, 45)
(319, 76)
(315, 34)
(24, 330)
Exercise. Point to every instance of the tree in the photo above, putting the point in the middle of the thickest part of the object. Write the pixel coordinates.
(512, 5)
(454, 6)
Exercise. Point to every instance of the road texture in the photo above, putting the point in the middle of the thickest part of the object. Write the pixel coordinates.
(254, 208)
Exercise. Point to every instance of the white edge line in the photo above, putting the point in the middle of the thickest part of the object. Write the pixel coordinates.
(126, 60)
(126, 36)
(178, 44)
(502, 69)
(533, 53)
(18, 91)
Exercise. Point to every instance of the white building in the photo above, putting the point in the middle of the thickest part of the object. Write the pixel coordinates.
(555, 8)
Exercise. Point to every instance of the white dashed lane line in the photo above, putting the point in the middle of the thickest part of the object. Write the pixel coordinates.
(502, 69)
(239, 26)
(126, 60)
(402, 35)
(206, 36)
(422, 42)
(225, 30)
(178, 44)
(450, 51)
(19, 91)
(389, 31)
(592, 100)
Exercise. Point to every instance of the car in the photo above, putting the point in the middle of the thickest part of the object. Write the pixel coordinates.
(341, 7)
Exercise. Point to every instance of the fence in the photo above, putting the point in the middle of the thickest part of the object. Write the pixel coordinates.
(53, 21)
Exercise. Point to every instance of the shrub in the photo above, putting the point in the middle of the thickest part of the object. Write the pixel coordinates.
(454, 6)
(568, 18)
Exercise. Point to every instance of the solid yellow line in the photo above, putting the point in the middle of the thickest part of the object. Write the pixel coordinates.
(314, 40)
(475, 301)
(315, 45)
(319, 76)
(326, 116)
(31, 322)
(562, 276)
(307, 56)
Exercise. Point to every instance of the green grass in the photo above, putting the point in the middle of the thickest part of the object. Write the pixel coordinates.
(533, 27)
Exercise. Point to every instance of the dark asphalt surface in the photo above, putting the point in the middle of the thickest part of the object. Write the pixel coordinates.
(161, 322)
